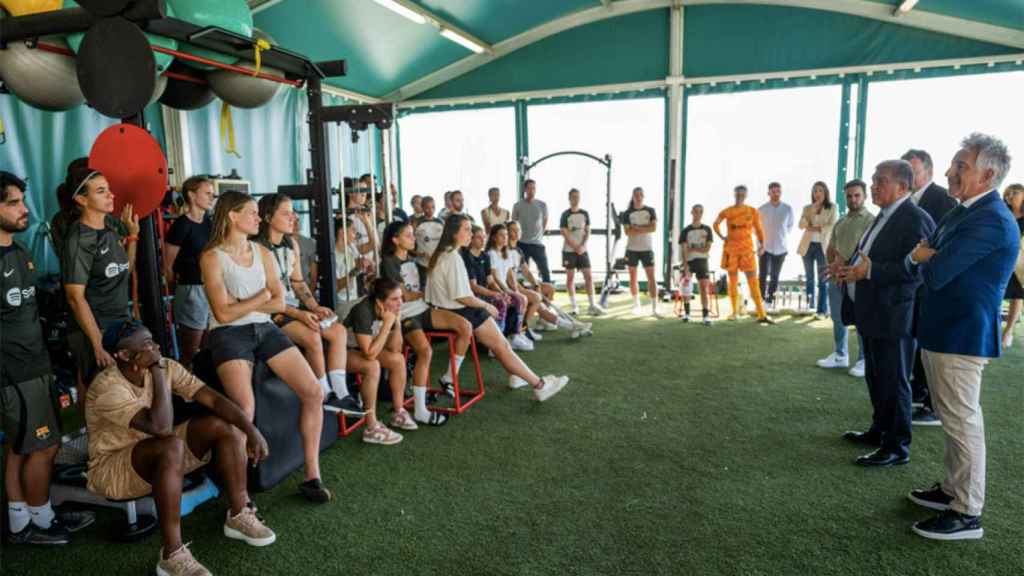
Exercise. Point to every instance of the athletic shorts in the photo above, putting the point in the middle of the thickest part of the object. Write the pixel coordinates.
(633, 257)
(744, 262)
(191, 310)
(31, 414)
(476, 316)
(419, 322)
(574, 261)
(699, 266)
(257, 342)
(113, 476)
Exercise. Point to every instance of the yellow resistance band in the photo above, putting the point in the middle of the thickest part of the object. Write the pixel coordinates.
(227, 129)
(258, 47)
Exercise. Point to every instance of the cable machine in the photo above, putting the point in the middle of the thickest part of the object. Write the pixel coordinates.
(611, 227)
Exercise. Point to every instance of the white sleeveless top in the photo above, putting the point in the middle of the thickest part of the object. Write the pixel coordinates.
(242, 283)
(493, 217)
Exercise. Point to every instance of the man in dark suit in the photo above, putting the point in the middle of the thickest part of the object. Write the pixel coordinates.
(965, 267)
(880, 294)
(936, 201)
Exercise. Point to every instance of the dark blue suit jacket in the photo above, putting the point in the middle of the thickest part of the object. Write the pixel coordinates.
(965, 280)
(884, 306)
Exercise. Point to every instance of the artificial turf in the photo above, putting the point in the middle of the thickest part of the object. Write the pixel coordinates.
(675, 449)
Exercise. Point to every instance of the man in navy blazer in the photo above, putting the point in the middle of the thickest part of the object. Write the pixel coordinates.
(936, 201)
(965, 266)
(879, 298)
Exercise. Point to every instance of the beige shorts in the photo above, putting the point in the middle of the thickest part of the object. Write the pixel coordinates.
(114, 477)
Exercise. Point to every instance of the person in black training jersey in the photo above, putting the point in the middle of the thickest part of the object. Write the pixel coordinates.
(575, 227)
(28, 403)
(695, 241)
(96, 267)
(182, 246)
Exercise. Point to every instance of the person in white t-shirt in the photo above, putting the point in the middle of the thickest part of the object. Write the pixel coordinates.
(575, 227)
(427, 232)
(350, 267)
(505, 264)
(448, 287)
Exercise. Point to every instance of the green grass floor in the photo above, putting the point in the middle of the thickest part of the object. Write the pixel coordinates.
(676, 449)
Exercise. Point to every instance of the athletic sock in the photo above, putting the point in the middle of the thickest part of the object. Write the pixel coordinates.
(42, 516)
(324, 385)
(565, 323)
(636, 300)
(447, 378)
(704, 312)
(572, 299)
(590, 297)
(686, 307)
(17, 516)
(339, 383)
(734, 293)
(420, 411)
(755, 293)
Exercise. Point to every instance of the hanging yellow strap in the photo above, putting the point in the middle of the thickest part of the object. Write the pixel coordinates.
(3, 132)
(227, 129)
(258, 47)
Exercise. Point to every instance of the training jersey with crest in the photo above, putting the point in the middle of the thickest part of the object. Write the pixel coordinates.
(23, 354)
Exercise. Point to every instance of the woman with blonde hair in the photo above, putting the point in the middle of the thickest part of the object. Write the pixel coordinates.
(817, 221)
(1014, 197)
(244, 289)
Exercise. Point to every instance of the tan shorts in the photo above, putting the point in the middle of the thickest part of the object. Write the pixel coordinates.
(114, 477)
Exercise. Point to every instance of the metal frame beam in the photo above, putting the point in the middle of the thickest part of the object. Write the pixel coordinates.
(864, 8)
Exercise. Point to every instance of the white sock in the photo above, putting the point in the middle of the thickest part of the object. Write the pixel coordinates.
(43, 515)
(324, 385)
(17, 516)
(338, 383)
(590, 297)
(654, 305)
(572, 299)
(636, 300)
(447, 378)
(420, 411)
(564, 324)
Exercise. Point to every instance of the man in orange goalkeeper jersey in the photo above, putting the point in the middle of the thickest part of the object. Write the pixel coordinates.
(738, 252)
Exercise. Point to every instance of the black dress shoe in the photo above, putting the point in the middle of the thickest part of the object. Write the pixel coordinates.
(881, 458)
(866, 438)
(950, 525)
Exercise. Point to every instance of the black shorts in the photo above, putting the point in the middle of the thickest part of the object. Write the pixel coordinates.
(30, 414)
(699, 266)
(633, 257)
(253, 342)
(418, 322)
(574, 261)
(476, 316)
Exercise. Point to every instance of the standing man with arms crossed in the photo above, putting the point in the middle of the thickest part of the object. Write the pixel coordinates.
(777, 219)
(695, 241)
(575, 227)
(28, 396)
(532, 215)
(936, 201)
(965, 266)
(841, 247)
(738, 253)
(882, 289)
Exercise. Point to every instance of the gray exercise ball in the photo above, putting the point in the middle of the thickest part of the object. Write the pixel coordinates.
(244, 91)
(41, 79)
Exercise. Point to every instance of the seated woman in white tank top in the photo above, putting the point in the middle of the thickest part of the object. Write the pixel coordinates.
(304, 320)
(244, 289)
(448, 288)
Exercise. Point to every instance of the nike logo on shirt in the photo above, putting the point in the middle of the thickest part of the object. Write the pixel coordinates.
(8, 273)
(104, 250)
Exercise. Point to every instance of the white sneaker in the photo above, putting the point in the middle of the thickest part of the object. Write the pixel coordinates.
(834, 360)
(552, 385)
(533, 335)
(656, 313)
(637, 310)
(521, 343)
(545, 326)
(858, 369)
(596, 310)
(575, 310)
(515, 382)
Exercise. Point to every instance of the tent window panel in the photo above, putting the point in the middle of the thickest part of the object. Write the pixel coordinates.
(788, 136)
(632, 131)
(467, 150)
